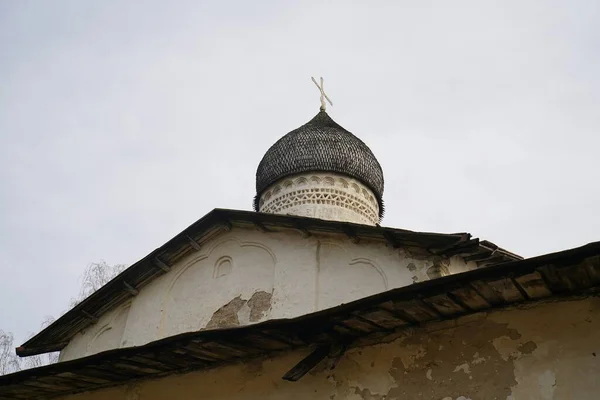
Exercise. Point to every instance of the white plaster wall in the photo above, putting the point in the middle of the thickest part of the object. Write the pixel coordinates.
(106, 334)
(246, 276)
(328, 196)
(547, 351)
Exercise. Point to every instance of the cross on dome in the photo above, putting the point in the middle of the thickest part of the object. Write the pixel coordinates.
(323, 95)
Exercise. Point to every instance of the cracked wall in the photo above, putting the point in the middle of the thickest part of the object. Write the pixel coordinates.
(545, 351)
(245, 276)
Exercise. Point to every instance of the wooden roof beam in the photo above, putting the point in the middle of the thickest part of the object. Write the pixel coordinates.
(308, 363)
(261, 227)
(133, 291)
(89, 316)
(193, 243)
(305, 232)
(161, 265)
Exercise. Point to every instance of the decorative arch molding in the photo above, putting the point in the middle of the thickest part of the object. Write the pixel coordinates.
(242, 243)
(371, 263)
(362, 276)
(106, 327)
(227, 268)
(222, 267)
(118, 321)
(327, 242)
(208, 252)
(358, 260)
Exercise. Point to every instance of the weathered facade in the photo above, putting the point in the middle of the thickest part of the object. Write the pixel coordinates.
(538, 352)
(514, 330)
(311, 298)
(246, 276)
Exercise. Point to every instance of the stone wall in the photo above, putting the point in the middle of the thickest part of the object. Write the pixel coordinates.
(246, 276)
(546, 351)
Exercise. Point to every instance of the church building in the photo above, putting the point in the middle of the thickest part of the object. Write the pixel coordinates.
(309, 297)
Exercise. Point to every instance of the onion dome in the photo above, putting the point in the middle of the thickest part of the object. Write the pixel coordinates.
(320, 145)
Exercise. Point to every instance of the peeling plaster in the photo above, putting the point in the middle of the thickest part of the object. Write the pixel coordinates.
(259, 304)
(535, 352)
(445, 352)
(241, 312)
(302, 274)
(227, 316)
(464, 368)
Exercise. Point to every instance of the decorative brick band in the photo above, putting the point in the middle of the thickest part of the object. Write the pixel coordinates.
(328, 190)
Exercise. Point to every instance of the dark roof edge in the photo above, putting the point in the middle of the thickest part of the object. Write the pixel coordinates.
(23, 350)
(55, 336)
(560, 259)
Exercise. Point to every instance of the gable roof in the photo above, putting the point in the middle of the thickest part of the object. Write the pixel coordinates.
(127, 284)
(563, 274)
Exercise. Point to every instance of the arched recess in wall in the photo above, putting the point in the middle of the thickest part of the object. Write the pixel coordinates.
(229, 268)
(223, 267)
(342, 278)
(439, 269)
(110, 335)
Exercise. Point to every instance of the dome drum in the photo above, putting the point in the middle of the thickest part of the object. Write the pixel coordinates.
(325, 195)
(320, 145)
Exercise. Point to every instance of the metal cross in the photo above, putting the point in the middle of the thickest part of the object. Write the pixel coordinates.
(323, 95)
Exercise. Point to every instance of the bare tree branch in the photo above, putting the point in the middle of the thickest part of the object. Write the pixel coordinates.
(94, 277)
(9, 362)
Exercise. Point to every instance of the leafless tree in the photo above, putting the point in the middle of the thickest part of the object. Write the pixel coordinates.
(9, 362)
(94, 277)
(39, 360)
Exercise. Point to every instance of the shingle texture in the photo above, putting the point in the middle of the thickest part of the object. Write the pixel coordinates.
(320, 145)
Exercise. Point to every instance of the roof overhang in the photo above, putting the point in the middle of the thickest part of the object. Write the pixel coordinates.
(564, 274)
(128, 283)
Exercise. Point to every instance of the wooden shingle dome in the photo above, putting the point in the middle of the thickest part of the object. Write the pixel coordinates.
(320, 145)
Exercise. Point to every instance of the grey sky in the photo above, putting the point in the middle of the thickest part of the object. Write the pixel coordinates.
(122, 122)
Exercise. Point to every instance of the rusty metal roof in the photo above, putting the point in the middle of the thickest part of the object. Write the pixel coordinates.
(564, 274)
(129, 282)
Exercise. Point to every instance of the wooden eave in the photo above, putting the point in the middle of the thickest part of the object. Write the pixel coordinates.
(128, 283)
(566, 274)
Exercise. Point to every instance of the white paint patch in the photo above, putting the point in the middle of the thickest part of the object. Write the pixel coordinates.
(507, 347)
(463, 367)
(428, 374)
(547, 382)
(477, 359)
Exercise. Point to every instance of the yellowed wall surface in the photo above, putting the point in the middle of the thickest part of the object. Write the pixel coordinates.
(547, 351)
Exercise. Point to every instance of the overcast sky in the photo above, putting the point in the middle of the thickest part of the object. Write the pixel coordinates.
(122, 122)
